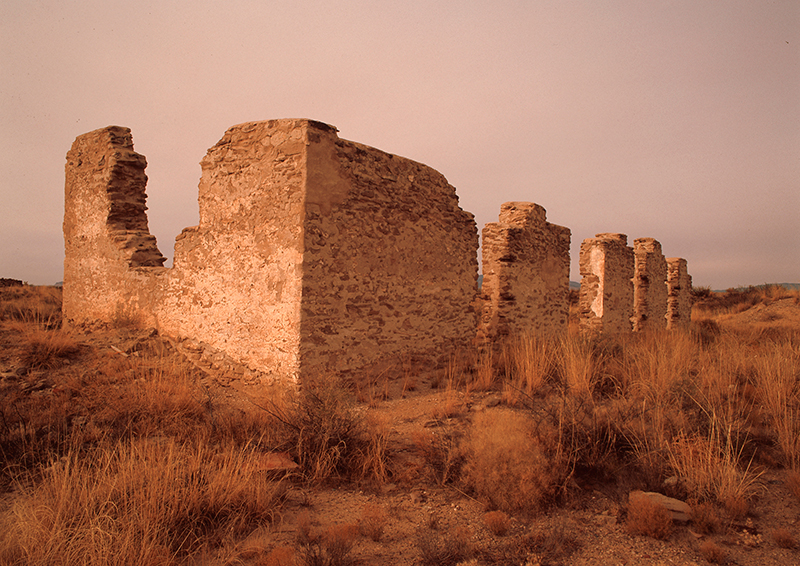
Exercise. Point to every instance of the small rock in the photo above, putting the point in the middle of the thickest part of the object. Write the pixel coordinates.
(679, 510)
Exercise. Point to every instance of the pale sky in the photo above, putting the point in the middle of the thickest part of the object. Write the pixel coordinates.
(677, 120)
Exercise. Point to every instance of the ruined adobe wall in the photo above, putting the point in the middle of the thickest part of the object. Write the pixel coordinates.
(649, 285)
(312, 254)
(112, 265)
(235, 289)
(679, 289)
(525, 273)
(606, 295)
(390, 262)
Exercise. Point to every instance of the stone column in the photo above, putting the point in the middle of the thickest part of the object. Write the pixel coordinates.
(606, 296)
(649, 285)
(525, 273)
(679, 291)
(110, 258)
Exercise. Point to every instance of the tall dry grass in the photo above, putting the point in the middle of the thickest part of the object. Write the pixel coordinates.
(148, 501)
(710, 404)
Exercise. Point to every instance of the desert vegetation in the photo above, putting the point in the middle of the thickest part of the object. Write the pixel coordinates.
(117, 450)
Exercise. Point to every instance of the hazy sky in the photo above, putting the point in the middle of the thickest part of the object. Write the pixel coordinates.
(678, 120)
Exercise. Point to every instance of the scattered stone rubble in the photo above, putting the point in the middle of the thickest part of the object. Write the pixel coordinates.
(318, 255)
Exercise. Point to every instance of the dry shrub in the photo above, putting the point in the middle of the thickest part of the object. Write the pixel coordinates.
(326, 430)
(554, 541)
(39, 305)
(373, 521)
(373, 453)
(578, 365)
(497, 522)
(330, 548)
(48, 349)
(648, 518)
(444, 549)
(776, 371)
(783, 538)
(713, 552)
(506, 465)
(705, 518)
(441, 452)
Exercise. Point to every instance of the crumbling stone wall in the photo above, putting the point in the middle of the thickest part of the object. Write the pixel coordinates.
(606, 295)
(112, 264)
(525, 274)
(649, 285)
(679, 290)
(390, 264)
(312, 254)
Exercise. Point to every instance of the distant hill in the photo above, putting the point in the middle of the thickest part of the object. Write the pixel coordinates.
(789, 286)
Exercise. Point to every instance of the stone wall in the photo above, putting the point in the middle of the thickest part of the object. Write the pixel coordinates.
(112, 265)
(649, 285)
(525, 274)
(390, 264)
(317, 255)
(679, 290)
(312, 254)
(606, 295)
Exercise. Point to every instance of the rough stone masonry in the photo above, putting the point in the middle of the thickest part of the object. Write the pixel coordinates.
(679, 290)
(606, 296)
(313, 254)
(525, 274)
(318, 255)
(649, 285)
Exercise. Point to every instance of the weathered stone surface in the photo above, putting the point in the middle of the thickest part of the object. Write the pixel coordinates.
(308, 257)
(606, 295)
(525, 274)
(678, 510)
(679, 291)
(112, 263)
(649, 285)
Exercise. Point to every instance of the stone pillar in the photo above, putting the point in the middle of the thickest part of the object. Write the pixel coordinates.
(649, 285)
(606, 296)
(525, 274)
(679, 291)
(110, 258)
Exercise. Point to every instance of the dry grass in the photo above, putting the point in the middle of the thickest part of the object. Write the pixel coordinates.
(648, 518)
(497, 522)
(137, 502)
(713, 552)
(373, 521)
(108, 454)
(507, 465)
